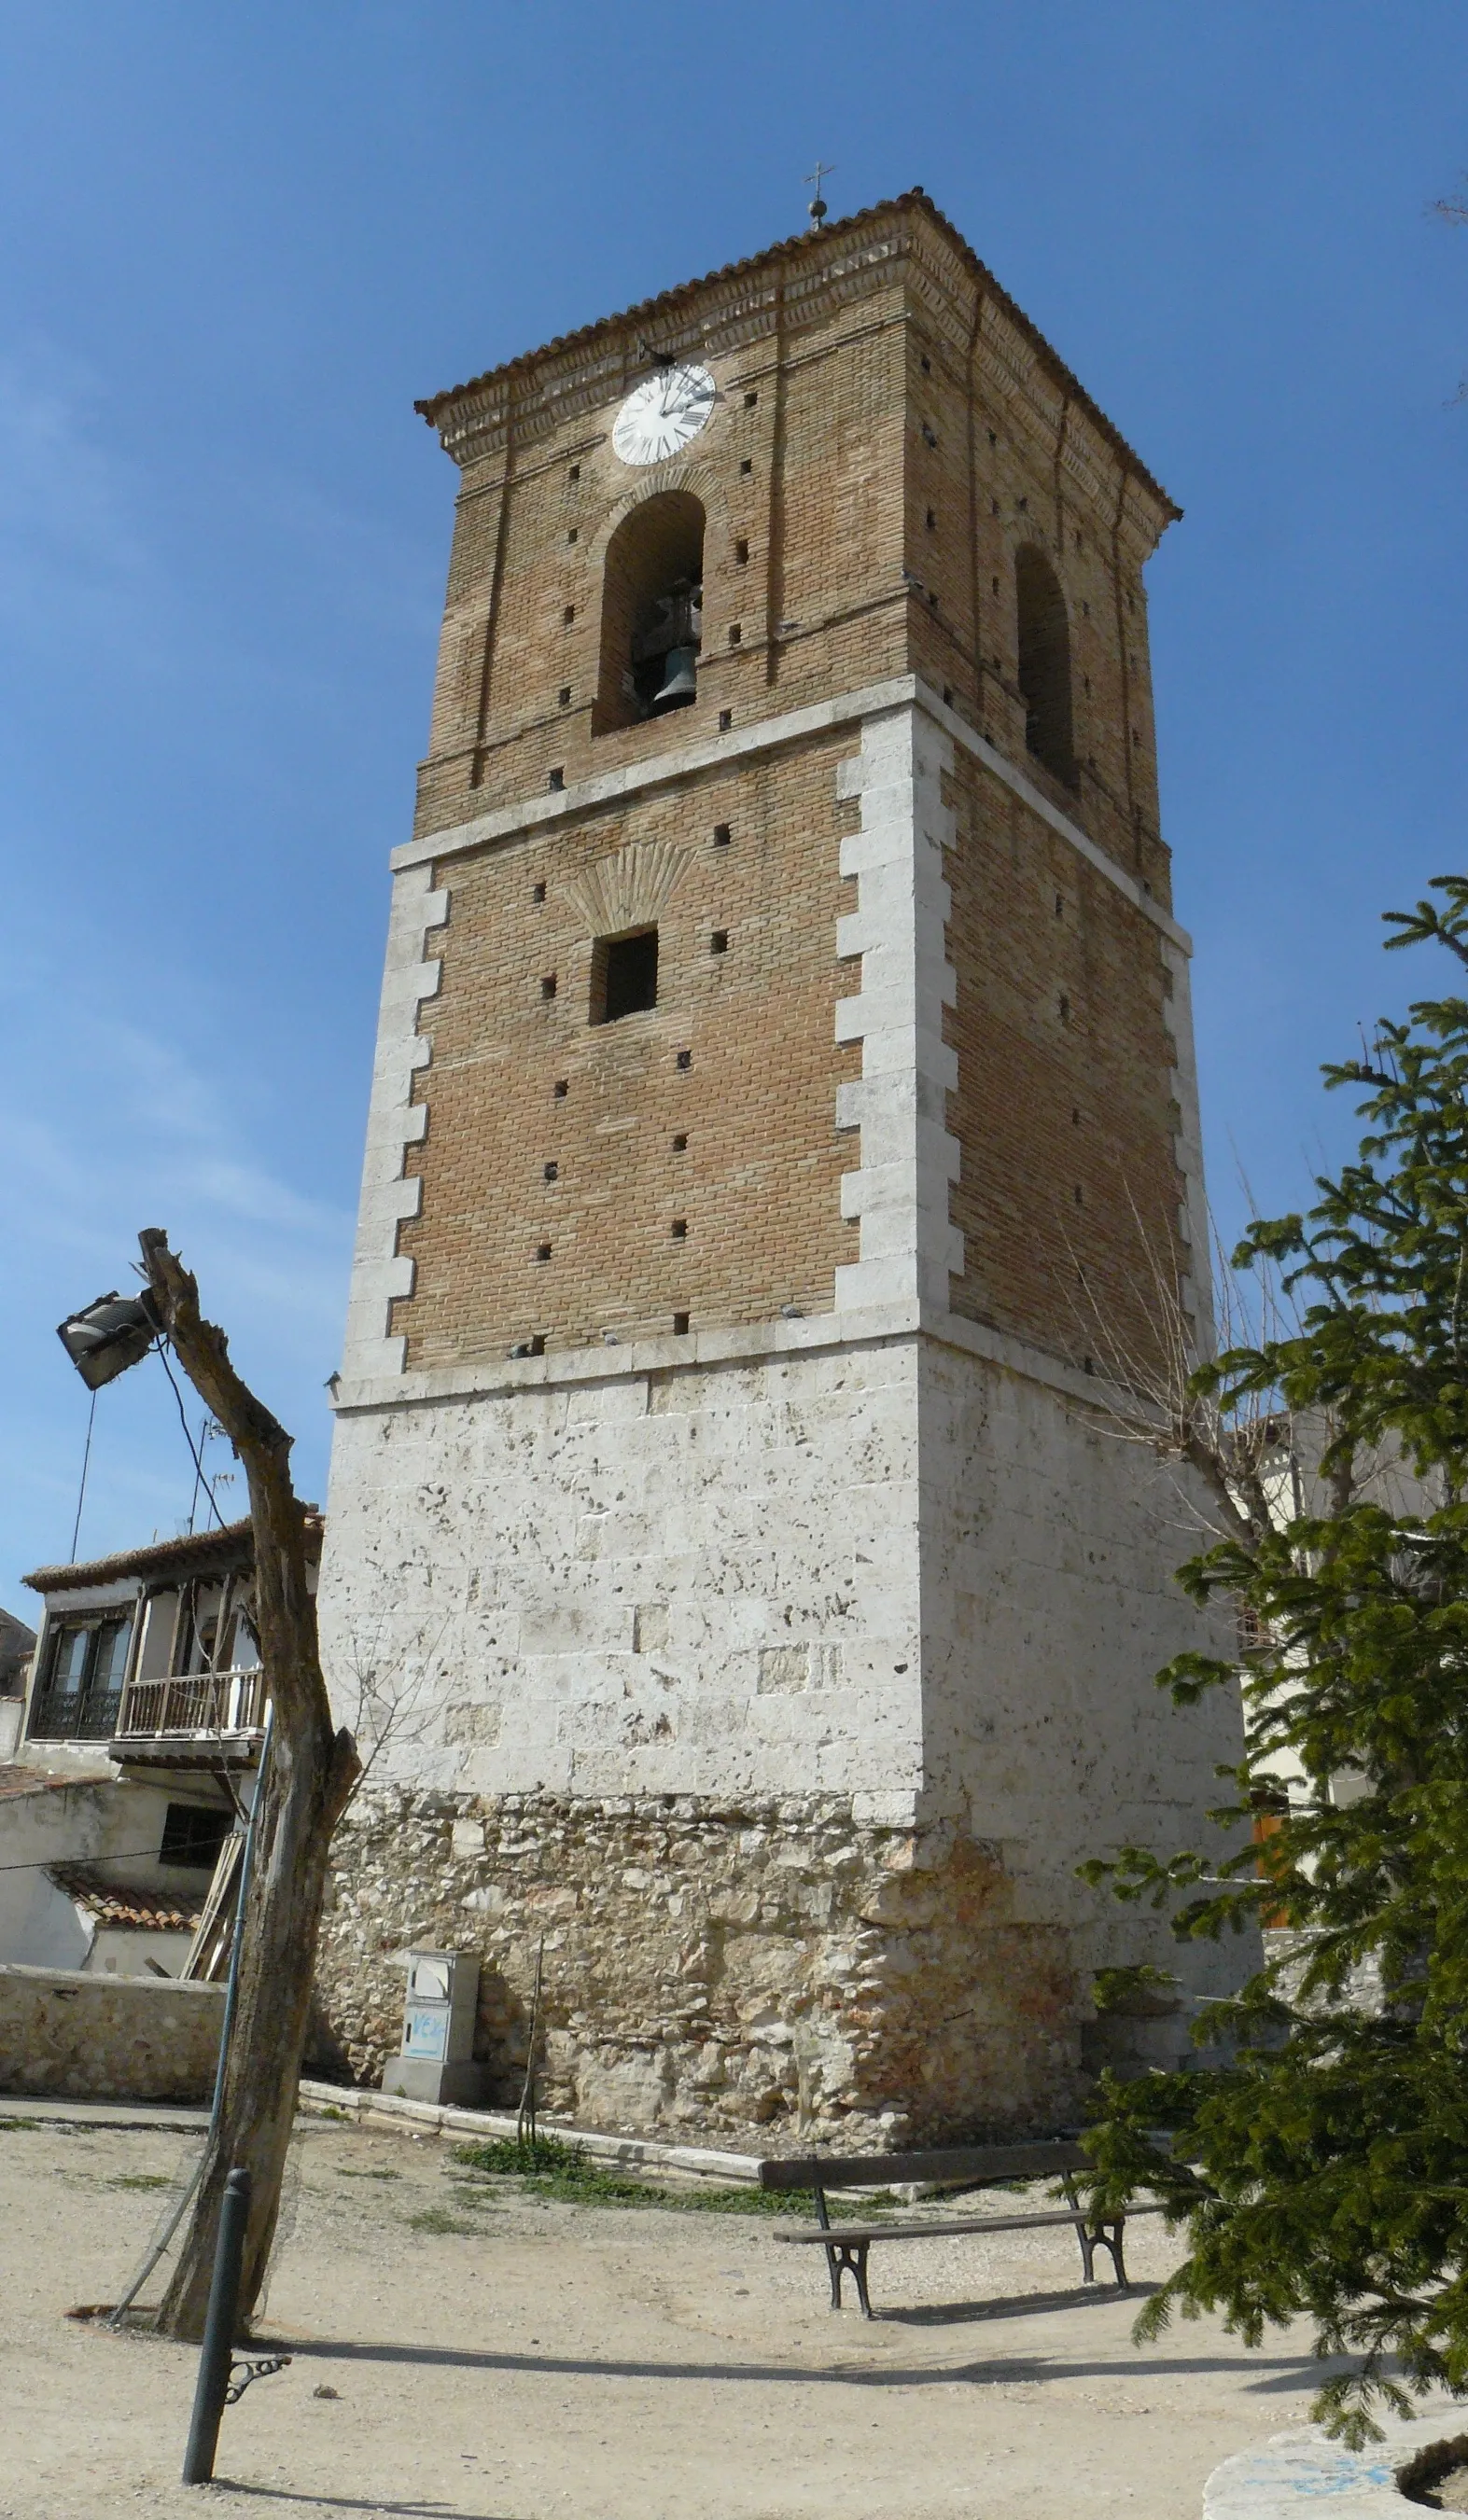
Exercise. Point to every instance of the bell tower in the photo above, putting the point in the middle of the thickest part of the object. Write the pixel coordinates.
(783, 1182)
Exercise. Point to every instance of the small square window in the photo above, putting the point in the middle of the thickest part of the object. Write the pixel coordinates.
(685, 1059)
(623, 975)
(748, 465)
(681, 1143)
(542, 1251)
(736, 633)
(681, 1326)
(552, 1172)
(568, 615)
(679, 1229)
(548, 985)
(564, 696)
(749, 401)
(539, 893)
(557, 782)
(721, 836)
(575, 474)
(719, 942)
(741, 551)
(575, 534)
(192, 1834)
(725, 720)
(561, 1089)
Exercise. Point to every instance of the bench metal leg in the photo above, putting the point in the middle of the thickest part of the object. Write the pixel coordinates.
(844, 2257)
(1098, 2235)
(849, 2257)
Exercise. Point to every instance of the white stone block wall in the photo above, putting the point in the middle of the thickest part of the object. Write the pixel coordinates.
(693, 1581)
(1050, 1543)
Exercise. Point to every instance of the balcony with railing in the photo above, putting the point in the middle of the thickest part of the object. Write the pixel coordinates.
(192, 1713)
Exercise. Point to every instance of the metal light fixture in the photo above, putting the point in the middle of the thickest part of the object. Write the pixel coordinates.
(108, 1336)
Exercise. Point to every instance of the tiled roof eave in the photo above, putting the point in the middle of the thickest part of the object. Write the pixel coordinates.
(433, 406)
(194, 1552)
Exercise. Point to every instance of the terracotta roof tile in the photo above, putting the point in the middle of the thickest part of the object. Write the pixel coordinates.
(194, 1553)
(155, 1910)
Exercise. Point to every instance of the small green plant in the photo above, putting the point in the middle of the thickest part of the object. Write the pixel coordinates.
(140, 2178)
(561, 2172)
(369, 2174)
(439, 2219)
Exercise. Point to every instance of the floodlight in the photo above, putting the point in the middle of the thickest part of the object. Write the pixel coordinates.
(108, 1336)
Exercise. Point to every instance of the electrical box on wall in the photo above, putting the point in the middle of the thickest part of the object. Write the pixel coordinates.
(436, 2060)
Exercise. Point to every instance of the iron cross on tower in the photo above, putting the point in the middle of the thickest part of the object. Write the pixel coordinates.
(818, 206)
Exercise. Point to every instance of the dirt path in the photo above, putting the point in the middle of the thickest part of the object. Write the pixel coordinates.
(515, 2361)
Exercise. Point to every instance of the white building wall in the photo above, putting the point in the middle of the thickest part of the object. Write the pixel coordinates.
(1050, 1542)
(653, 1581)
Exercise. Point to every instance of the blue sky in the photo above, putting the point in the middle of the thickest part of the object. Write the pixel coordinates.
(241, 241)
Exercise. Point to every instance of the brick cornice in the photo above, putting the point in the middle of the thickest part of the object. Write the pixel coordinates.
(801, 283)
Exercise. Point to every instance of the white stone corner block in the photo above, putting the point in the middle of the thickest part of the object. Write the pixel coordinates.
(381, 1275)
(899, 1193)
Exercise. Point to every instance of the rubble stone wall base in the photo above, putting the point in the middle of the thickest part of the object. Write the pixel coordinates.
(710, 1966)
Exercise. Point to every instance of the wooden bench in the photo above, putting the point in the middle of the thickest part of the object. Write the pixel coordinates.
(970, 2166)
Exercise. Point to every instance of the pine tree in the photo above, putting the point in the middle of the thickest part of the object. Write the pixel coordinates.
(1321, 2171)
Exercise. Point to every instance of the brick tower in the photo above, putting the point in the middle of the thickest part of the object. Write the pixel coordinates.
(783, 1123)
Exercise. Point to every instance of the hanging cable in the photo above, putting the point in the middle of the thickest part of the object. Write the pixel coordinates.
(194, 1455)
(82, 1490)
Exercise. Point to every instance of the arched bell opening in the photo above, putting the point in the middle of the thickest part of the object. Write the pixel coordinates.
(652, 612)
(1044, 661)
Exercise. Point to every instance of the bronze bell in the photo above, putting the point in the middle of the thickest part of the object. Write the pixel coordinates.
(680, 682)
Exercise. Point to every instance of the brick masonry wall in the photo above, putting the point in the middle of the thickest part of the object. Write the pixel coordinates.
(885, 443)
(757, 1185)
(712, 1967)
(1069, 1193)
(884, 448)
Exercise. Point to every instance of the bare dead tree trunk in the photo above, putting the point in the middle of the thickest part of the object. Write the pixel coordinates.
(312, 1772)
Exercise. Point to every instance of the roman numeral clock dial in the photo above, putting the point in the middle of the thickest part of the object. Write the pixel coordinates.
(660, 417)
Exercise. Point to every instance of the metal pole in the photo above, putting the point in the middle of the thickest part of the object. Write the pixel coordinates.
(231, 1997)
(247, 1868)
(217, 2349)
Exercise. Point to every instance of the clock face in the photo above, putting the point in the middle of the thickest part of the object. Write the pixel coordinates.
(661, 416)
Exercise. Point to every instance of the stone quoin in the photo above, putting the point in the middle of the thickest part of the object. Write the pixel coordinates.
(783, 1154)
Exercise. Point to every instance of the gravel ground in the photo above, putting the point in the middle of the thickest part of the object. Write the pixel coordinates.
(469, 2351)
